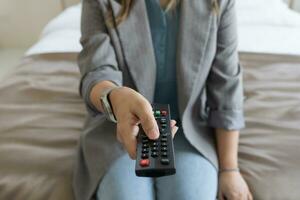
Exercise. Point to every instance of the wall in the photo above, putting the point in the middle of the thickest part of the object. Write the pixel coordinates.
(22, 20)
(67, 3)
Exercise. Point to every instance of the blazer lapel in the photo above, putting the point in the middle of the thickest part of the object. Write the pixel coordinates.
(135, 38)
(195, 23)
(194, 30)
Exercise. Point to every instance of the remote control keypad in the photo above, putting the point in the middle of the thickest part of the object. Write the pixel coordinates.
(155, 158)
(156, 148)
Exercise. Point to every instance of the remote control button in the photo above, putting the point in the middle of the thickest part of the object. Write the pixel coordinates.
(164, 161)
(164, 149)
(164, 139)
(154, 149)
(144, 156)
(164, 154)
(164, 135)
(144, 162)
(145, 141)
(164, 113)
(145, 145)
(145, 151)
(163, 125)
(163, 120)
(154, 154)
(163, 144)
(154, 143)
(157, 113)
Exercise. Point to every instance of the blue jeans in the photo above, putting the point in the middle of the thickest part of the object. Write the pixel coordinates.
(195, 178)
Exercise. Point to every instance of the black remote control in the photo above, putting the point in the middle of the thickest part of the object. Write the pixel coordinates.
(155, 158)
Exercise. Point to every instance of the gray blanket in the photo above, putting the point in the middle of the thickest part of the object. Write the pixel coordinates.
(41, 116)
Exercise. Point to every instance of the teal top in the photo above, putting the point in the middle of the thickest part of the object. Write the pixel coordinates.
(164, 28)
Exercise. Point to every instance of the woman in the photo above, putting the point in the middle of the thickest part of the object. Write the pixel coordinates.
(183, 53)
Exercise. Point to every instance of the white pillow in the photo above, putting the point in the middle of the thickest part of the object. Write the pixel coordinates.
(61, 35)
(67, 20)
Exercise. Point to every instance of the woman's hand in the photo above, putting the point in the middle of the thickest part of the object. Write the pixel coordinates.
(232, 186)
(131, 109)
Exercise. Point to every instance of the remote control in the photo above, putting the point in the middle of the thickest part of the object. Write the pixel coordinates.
(155, 158)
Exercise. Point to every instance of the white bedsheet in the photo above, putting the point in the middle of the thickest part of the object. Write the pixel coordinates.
(264, 26)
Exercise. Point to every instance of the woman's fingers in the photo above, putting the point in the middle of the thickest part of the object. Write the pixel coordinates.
(250, 197)
(174, 128)
(127, 133)
(174, 131)
(173, 123)
(147, 120)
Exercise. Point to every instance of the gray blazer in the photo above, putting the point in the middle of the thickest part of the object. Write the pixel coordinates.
(210, 90)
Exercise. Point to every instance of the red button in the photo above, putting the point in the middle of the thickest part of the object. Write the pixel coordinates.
(164, 113)
(145, 162)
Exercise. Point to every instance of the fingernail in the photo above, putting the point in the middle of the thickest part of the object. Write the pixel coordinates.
(154, 134)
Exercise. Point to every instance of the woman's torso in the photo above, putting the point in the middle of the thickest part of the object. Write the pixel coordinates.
(164, 28)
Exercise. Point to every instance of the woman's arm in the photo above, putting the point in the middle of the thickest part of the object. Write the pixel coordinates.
(227, 145)
(232, 186)
(225, 103)
(97, 60)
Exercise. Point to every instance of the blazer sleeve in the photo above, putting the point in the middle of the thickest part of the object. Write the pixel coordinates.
(224, 84)
(97, 60)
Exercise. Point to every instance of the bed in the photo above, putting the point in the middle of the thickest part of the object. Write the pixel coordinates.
(42, 115)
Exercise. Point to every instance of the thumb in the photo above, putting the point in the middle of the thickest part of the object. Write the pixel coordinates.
(148, 121)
